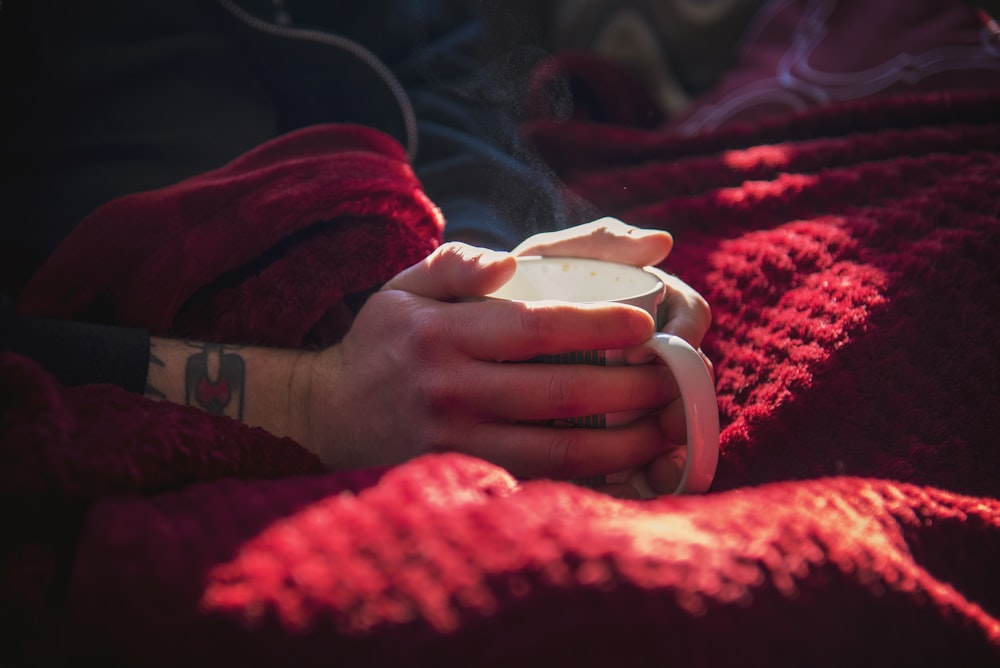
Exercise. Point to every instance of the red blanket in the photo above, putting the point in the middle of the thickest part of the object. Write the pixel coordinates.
(851, 257)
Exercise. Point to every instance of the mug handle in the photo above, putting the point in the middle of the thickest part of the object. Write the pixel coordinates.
(701, 415)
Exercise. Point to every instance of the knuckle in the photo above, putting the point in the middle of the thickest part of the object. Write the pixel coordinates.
(563, 394)
(436, 395)
(702, 308)
(649, 386)
(533, 323)
(434, 427)
(425, 334)
(381, 300)
(437, 438)
(560, 448)
(446, 264)
(451, 248)
(449, 252)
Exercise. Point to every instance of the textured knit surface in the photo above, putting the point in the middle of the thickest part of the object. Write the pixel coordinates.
(853, 275)
(850, 254)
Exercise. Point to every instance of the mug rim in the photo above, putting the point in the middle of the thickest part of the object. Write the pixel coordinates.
(657, 284)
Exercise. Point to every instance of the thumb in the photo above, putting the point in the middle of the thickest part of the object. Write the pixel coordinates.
(455, 271)
(603, 239)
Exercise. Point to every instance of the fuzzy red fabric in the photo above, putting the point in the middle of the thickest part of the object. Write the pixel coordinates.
(852, 273)
(261, 250)
(850, 254)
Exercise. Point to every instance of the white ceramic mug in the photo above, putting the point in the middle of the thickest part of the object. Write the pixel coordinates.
(583, 280)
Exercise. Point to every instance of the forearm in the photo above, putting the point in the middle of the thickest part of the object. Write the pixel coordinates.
(261, 387)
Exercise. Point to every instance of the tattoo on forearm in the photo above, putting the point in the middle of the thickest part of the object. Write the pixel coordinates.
(215, 380)
(151, 390)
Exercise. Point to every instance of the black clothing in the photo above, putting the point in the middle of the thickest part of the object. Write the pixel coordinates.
(78, 353)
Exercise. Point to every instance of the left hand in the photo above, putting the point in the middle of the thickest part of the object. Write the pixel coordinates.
(689, 315)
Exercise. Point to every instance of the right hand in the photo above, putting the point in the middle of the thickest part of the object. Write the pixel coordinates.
(421, 371)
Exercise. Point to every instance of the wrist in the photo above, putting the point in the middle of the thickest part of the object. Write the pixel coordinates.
(299, 400)
(261, 387)
(313, 402)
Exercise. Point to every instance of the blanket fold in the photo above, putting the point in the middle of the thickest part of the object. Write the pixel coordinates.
(446, 558)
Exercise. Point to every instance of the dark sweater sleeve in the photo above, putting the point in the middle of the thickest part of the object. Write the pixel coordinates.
(473, 162)
(77, 353)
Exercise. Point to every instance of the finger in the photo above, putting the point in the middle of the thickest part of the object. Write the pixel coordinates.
(533, 452)
(688, 314)
(665, 472)
(708, 364)
(604, 239)
(456, 270)
(503, 331)
(620, 490)
(551, 391)
(672, 423)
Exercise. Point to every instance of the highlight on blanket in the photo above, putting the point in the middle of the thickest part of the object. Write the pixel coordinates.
(830, 173)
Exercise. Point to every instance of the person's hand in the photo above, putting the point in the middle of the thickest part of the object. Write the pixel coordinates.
(426, 366)
(420, 371)
(688, 314)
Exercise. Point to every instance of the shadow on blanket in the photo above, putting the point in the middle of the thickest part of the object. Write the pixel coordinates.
(851, 255)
